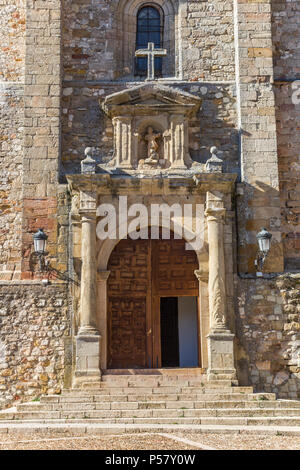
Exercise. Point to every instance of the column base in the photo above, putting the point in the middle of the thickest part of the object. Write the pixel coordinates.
(178, 166)
(87, 357)
(221, 356)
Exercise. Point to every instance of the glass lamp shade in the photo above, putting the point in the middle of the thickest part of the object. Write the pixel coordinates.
(264, 240)
(39, 240)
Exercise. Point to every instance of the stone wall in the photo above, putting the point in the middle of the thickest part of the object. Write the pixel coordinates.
(12, 39)
(208, 40)
(93, 37)
(12, 64)
(11, 139)
(286, 37)
(268, 331)
(34, 335)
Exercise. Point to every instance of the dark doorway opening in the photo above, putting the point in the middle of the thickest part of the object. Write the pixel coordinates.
(179, 332)
(169, 332)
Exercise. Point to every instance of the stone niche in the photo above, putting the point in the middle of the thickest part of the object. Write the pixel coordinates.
(151, 127)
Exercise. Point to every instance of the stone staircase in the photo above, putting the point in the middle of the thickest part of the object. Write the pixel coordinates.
(145, 399)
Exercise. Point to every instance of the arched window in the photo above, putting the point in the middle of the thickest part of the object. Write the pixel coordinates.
(160, 24)
(149, 29)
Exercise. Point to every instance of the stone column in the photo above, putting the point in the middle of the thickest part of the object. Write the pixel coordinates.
(88, 338)
(220, 339)
(88, 274)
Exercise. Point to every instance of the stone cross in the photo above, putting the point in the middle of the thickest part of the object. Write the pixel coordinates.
(151, 53)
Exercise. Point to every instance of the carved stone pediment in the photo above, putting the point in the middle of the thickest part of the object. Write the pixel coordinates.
(151, 110)
(153, 97)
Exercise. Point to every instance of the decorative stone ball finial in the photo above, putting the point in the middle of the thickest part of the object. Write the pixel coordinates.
(88, 151)
(88, 165)
(214, 164)
(213, 151)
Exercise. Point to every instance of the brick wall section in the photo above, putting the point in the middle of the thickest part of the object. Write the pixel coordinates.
(53, 215)
(259, 205)
(286, 37)
(42, 120)
(34, 329)
(268, 329)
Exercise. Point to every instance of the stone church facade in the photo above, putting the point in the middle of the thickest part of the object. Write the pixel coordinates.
(82, 127)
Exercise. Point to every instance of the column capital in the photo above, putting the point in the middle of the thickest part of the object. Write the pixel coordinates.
(88, 215)
(88, 201)
(201, 275)
(215, 214)
(121, 120)
(103, 275)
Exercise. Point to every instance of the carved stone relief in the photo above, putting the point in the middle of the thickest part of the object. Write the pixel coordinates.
(151, 127)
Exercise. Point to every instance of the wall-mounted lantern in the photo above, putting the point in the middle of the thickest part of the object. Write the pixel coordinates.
(40, 241)
(264, 243)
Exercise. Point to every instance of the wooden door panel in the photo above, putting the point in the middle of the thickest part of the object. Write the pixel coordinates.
(141, 272)
(173, 269)
(128, 292)
(128, 266)
(127, 332)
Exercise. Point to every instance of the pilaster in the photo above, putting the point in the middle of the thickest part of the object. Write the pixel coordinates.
(41, 157)
(220, 339)
(258, 202)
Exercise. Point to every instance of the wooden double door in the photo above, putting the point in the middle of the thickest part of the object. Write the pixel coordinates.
(142, 272)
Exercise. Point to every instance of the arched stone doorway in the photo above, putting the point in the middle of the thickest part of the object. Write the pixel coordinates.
(152, 305)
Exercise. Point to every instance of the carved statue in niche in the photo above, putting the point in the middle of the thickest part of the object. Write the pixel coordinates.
(153, 146)
(152, 149)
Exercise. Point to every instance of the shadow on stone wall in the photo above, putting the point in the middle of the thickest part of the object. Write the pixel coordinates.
(268, 332)
(258, 206)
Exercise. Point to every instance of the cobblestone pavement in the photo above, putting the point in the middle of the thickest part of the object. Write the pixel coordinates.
(56, 441)
(244, 441)
(149, 441)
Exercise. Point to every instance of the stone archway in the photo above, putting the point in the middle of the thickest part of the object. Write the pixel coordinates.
(142, 273)
(213, 262)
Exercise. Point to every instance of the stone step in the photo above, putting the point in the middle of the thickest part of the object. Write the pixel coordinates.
(205, 421)
(151, 381)
(157, 390)
(267, 397)
(106, 428)
(152, 413)
(144, 381)
(169, 372)
(140, 405)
